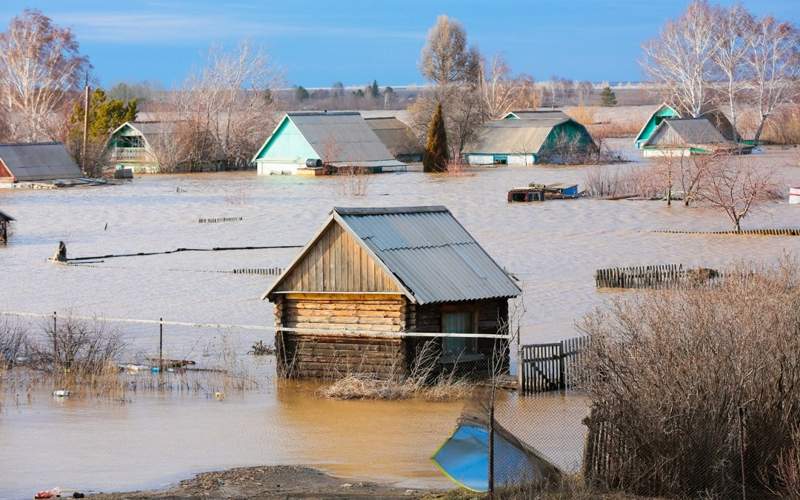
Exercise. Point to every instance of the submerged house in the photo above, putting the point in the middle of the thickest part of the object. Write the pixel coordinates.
(717, 118)
(133, 144)
(525, 141)
(398, 138)
(5, 220)
(36, 162)
(685, 137)
(663, 112)
(376, 284)
(306, 141)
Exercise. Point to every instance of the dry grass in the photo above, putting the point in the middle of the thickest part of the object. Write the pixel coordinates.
(84, 357)
(781, 128)
(610, 183)
(627, 128)
(570, 487)
(672, 371)
(353, 181)
(423, 381)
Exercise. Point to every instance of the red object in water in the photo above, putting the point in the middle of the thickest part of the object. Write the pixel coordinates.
(52, 493)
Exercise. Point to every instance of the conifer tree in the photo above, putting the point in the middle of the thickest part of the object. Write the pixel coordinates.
(607, 97)
(436, 154)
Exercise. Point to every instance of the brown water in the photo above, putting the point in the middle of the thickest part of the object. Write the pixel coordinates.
(153, 440)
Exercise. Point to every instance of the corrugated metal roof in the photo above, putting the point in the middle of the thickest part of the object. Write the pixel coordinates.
(343, 137)
(512, 136)
(689, 131)
(433, 256)
(395, 135)
(538, 114)
(39, 161)
(5, 217)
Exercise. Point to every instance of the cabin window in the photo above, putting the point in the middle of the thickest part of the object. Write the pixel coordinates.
(457, 322)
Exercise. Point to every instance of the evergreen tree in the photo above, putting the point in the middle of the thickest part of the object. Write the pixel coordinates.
(358, 93)
(374, 90)
(607, 97)
(300, 93)
(436, 154)
(105, 115)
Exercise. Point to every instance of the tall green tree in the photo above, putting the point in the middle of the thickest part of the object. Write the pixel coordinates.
(436, 153)
(607, 97)
(374, 90)
(105, 115)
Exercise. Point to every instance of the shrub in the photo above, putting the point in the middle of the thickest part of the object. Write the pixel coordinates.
(672, 370)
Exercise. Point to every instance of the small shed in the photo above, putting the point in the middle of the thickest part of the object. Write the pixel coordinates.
(338, 139)
(5, 220)
(522, 141)
(398, 138)
(663, 112)
(35, 162)
(685, 137)
(376, 284)
(134, 145)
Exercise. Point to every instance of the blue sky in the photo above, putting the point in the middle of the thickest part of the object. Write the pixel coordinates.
(316, 43)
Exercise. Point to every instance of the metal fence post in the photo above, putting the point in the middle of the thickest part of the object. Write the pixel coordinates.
(160, 345)
(55, 339)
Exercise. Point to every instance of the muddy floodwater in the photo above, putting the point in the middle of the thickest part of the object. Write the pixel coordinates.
(154, 439)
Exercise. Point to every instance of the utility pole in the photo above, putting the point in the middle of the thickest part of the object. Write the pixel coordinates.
(85, 123)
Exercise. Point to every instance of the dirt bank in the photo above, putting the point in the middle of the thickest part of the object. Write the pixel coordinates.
(284, 481)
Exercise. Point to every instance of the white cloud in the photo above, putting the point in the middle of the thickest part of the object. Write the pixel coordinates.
(159, 27)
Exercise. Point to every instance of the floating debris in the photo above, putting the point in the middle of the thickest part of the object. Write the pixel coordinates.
(61, 393)
(259, 348)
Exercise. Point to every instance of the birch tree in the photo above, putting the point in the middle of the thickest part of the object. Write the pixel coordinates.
(681, 58)
(774, 63)
(40, 68)
(734, 26)
(226, 106)
(501, 93)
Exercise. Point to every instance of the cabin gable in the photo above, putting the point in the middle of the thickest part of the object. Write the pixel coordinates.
(337, 262)
(5, 173)
(662, 113)
(287, 144)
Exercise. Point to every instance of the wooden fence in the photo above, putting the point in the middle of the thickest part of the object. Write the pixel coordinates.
(264, 271)
(553, 366)
(217, 220)
(744, 232)
(603, 453)
(658, 276)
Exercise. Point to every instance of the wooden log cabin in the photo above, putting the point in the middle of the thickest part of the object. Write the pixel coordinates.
(376, 284)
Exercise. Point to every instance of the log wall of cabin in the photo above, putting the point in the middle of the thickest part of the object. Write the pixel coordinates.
(306, 354)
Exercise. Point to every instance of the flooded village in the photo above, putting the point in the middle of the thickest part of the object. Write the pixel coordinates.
(484, 286)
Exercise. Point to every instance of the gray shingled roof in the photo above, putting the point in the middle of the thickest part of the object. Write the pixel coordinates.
(345, 136)
(39, 161)
(512, 136)
(689, 131)
(430, 253)
(395, 135)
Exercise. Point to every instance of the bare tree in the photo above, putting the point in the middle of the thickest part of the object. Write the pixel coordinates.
(680, 59)
(40, 68)
(774, 63)
(446, 58)
(226, 106)
(584, 91)
(501, 92)
(735, 187)
(733, 28)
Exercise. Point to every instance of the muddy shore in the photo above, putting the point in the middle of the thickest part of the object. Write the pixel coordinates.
(283, 481)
